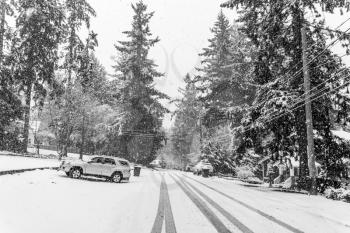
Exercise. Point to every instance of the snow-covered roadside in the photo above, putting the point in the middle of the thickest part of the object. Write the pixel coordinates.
(49, 201)
(13, 161)
(17, 162)
(55, 153)
(315, 213)
(51, 152)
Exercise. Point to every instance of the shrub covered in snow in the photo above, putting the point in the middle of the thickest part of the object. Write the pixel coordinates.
(345, 196)
(338, 194)
(219, 157)
(322, 183)
(244, 172)
(254, 180)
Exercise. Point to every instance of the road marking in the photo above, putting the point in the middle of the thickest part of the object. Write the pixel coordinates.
(207, 212)
(232, 219)
(164, 212)
(271, 218)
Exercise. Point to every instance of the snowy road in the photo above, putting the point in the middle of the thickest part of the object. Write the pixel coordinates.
(158, 201)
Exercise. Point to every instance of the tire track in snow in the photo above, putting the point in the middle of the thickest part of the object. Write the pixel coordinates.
(269, 217)
(164, 212)
(230, 217)
(206, 211)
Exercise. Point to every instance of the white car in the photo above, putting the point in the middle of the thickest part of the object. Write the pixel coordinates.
(199, 167)
(113, 168)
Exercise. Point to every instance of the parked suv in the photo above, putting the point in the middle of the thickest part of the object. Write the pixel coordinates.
(113, 168)
(199, 167)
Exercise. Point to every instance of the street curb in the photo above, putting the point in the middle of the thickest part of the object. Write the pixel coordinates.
(10, 172)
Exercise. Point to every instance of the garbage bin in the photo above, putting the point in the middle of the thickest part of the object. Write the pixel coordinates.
(137, 170)
(205, 172)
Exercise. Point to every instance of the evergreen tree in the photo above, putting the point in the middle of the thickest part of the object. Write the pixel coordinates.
(186, 125)
(274, 29)
(35, 50)
(78, 13)
(10, 104)
(139, 100)
(226, 90)
(222, 80)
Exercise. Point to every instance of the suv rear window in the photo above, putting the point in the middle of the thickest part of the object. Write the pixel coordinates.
(123, 163)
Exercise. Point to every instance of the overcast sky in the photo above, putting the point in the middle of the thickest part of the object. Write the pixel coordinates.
(182, 26)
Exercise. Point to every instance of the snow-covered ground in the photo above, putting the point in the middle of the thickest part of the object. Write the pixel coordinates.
(11, 161)
(51, 152)
(18, 162)
(48, 201)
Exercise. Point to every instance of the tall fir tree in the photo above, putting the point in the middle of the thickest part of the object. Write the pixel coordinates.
(222, 78)
(35, 50)
(78, 13)
(186, 125)
(10, 104)
(139, 99)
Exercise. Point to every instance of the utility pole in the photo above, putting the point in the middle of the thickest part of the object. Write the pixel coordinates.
(200, 131)
(308, 113)
(2, 28)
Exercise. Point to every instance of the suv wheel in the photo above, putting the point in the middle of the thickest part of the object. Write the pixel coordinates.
(116, 177)
(75, 173)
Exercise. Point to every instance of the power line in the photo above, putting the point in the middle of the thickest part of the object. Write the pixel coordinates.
(324, 82)
(332, 30)
(295, 104)
(299, 100)
(313, 59)
(334, 42)
(279, 116)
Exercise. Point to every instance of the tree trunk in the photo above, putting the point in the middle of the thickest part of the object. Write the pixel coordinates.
(68, 105)
(82, 139)
(64, 150)
(28, 97)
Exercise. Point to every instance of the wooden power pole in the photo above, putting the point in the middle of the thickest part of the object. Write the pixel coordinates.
(308, 113)
(2, 28)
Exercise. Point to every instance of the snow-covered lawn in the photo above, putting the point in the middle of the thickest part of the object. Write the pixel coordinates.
(51, 152)
(12, 161)
(19, 162)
